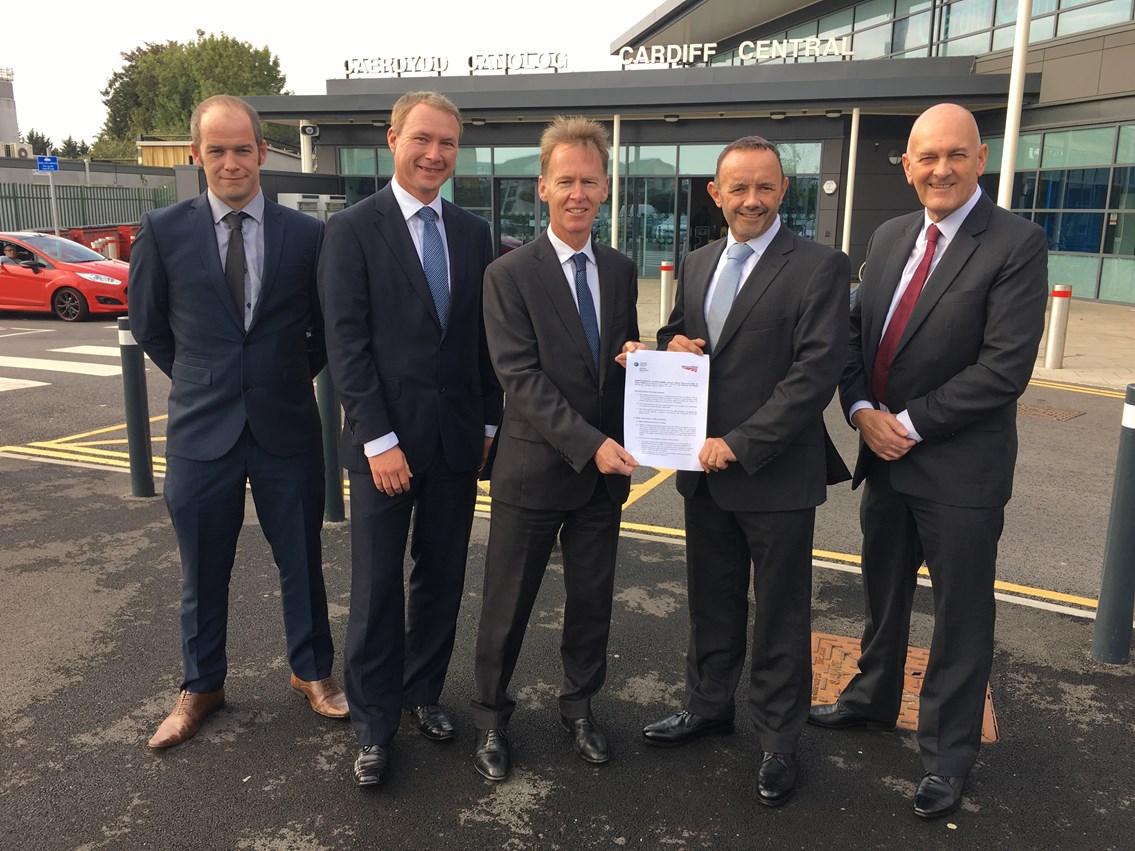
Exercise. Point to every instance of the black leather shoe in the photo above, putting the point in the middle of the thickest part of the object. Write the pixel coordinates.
(371, 765)
(684, 727)
(493, 760)
(432, 722)
(588, 740)
(835, 717)
(938, 795)
(776, 778)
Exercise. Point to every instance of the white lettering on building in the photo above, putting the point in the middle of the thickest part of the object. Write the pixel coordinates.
(747, 51)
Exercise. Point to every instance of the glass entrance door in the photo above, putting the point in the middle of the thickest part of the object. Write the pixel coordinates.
(519, 212)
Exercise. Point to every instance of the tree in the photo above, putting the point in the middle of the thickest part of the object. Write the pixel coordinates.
(41, 145)
(72, 150)
(159, 85)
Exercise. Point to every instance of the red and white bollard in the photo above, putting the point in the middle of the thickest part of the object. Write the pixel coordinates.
(1057, 326)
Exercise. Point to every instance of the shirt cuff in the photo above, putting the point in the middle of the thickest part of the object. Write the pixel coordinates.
(380, 445)
(854, 409)
(904, 418)
(490, 430)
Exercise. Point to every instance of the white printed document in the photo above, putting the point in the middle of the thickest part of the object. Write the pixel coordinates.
(667, 397)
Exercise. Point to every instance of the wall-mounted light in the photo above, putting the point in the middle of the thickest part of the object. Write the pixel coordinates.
(833, 113)
(778, 115)
(378, 122)
(477, 122)
(670, 118)
(894, 157)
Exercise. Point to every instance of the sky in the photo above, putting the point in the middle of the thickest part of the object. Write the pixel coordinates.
(63, 60)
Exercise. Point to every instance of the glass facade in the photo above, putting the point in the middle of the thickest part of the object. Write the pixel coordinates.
(912, 28)
(1078, 184)
(664, 207)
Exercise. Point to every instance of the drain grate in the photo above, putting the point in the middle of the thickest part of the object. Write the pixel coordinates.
(834, 663)
(1047, 413)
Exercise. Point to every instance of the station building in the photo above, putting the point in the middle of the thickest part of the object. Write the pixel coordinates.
(696, 74)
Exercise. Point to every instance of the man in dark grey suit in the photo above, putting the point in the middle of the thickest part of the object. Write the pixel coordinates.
(223, 300)
(557, 312)
(770, 310)
(943, 339)
(400, 281)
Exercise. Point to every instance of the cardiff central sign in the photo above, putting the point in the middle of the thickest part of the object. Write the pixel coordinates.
(747, 51)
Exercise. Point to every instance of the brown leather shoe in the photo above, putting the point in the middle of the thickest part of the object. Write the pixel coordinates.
(185, 720)
(324, 695)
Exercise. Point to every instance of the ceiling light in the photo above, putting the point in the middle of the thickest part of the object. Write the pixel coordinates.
(670, 118)
(833, 113)
(778, 115)
(477, 122)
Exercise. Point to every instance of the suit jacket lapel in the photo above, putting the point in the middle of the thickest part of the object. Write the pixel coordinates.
(697, 286)
(456, 241)
(949, 267)
(274, 237)
(607, 298)
(554, 283)
(392, 227)
(205, 236)
(883, 294)
(767, 268)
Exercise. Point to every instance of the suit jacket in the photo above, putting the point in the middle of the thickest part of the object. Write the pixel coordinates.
(558, 411)
(772, 373)
(394, 367)
(183, 317)
(964, 358)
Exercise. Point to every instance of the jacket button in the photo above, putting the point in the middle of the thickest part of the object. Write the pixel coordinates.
(247, 388)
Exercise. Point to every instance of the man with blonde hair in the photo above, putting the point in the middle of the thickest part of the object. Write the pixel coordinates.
(400, 282)
(557, 312)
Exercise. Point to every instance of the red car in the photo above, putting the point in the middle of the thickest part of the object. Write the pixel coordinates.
(39, 272)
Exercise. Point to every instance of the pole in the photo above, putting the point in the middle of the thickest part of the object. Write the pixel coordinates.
(1111, 636)
(328, 401)
(1013, 105)
(849, 190)
(616, 158)
(665, 292)
(137, 412)
(1057, 326)
(54, 203)
(307, 153)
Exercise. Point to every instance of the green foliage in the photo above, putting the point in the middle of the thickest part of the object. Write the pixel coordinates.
(109, 149)
(72, 150)
(159, 85)
(41, 145)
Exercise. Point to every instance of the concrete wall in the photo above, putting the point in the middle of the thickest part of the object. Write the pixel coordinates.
(9, 126)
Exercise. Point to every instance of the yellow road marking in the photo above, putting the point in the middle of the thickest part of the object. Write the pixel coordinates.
(1076, 388)
(639, 491)
(106, 430)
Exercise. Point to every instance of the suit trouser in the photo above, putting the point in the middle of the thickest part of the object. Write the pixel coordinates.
(399, 641)
(206, 503)
(520, 542)
(960, 549)
(723, 548)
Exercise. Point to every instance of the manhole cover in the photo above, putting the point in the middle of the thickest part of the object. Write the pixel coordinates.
(1047, 413)
(835, 661)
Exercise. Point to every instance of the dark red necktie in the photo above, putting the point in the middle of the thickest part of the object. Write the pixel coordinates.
(890, 342)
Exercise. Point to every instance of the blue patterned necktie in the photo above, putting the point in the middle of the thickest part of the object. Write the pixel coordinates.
(726, 290)
(433, 262)
(586, 307)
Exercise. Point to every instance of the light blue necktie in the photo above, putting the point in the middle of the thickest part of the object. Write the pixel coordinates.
(433, 262)
(586, 307)
(726, 290)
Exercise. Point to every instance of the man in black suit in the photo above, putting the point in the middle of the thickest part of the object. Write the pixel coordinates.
(400, 281)
(223, 300)
(557, 311)
(943, 339)
(769, 309)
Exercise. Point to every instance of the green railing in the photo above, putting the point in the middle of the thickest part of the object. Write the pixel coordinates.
(28, 206)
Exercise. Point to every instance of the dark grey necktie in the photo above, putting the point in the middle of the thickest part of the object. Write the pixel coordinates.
(234, 260)
(586, 307)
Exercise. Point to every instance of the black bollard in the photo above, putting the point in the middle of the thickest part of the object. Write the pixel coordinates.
(328, 400)
(137, 412)
(1111, 637)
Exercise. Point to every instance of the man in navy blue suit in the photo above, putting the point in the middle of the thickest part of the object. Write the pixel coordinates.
(400, 284)
(223, 300)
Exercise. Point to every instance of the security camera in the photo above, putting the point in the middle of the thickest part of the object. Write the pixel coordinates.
(310, 130)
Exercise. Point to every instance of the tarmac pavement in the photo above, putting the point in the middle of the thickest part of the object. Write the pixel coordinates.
(89, 589)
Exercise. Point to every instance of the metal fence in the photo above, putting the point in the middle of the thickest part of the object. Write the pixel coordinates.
(28, 206)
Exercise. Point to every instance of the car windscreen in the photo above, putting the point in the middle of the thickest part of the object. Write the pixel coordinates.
(62, 250)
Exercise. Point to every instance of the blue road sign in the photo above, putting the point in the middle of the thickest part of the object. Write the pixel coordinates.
(47, 163)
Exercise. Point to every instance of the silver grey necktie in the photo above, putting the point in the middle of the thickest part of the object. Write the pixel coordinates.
(726, 290)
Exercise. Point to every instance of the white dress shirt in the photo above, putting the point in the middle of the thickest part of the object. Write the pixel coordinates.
(759, 245)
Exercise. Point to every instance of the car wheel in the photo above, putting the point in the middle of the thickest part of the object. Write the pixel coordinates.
(69, 305)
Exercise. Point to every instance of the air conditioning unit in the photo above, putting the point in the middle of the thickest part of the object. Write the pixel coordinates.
(20, 150)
